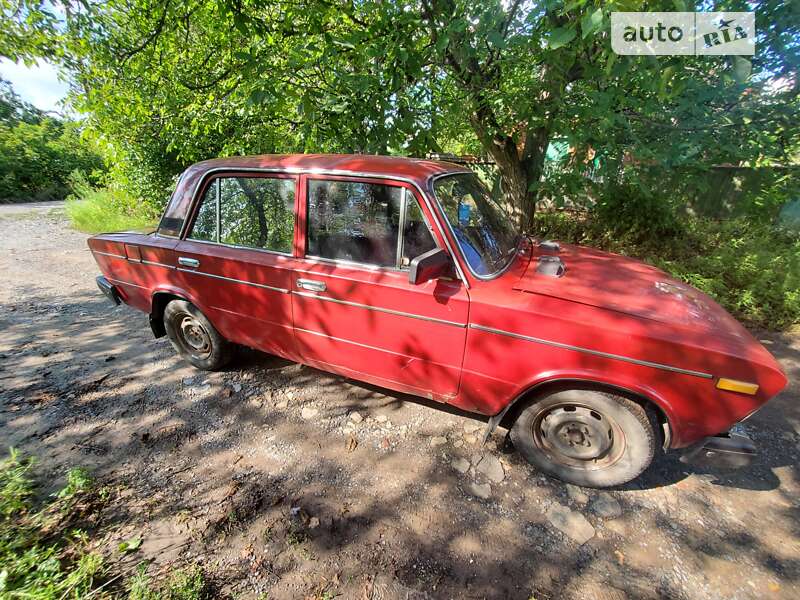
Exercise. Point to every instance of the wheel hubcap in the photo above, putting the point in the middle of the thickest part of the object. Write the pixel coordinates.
(196, 338)
(578, 436)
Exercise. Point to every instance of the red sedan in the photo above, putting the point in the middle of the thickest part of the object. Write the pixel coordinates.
(407, 274)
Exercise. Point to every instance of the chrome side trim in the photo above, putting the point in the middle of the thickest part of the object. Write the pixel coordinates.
(335, 172)
(389, 311)
(258, 285)
(153, 263)
(110, 254)
(635, 361)
(351, 264)
(119, 281)
(223, 245)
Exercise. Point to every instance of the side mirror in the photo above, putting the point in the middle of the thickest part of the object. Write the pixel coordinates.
(431, 265)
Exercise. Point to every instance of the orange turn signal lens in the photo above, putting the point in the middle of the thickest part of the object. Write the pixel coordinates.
(732, 385)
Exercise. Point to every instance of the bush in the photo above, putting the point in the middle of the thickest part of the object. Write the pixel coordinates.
(95, 210)
(750, 268)
(36, 160)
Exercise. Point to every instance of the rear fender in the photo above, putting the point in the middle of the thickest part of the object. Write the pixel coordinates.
(158, 302)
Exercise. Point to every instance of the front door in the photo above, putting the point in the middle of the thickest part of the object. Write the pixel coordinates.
(354, 310)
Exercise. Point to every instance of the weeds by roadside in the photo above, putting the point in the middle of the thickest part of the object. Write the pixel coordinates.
(48, 548)
(95, 210)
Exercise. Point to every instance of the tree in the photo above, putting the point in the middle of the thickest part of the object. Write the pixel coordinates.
(13, 109)
(167, 83)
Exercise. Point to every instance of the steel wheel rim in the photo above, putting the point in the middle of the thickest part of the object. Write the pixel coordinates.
(194, 336)
(579, 436)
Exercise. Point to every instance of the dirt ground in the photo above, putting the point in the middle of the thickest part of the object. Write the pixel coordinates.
(286, 482)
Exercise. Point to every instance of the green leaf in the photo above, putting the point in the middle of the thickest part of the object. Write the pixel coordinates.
(574, 4)
(666, 76)
(561, 37)
(496, 39)
(131, 545)
(591, 22)
(612, 58)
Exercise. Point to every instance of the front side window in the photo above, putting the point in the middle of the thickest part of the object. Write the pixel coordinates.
(361, 223)
(485, 233)
(251, 212)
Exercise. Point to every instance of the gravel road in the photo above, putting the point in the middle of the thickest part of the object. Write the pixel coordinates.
(283, 480)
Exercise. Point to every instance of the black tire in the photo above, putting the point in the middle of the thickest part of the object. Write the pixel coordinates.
(584, 437)
(194, 337)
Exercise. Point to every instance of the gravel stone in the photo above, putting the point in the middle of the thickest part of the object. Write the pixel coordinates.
(460, 464)
(570, 522)
(480, 490)
(490, 467)
(606, 506)
(308, 412)
(577, 495)
(356, 417)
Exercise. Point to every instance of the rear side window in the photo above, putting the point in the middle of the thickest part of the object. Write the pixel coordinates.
(251, 212)
(362, 223)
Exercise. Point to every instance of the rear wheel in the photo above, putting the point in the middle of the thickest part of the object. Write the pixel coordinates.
(585, 437)
(194, 337)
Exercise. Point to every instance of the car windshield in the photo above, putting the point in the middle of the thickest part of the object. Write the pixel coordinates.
(484, 231)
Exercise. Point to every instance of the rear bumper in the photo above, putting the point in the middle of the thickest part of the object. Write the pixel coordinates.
(731, 450)
(108, 289)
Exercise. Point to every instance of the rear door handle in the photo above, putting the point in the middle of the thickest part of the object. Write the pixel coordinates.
(311, 285)
(188, 262)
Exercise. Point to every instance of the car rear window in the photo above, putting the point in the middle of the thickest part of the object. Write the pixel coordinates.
(248, 212)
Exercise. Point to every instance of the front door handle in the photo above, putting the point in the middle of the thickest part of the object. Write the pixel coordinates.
(311, 285)
(188, 262)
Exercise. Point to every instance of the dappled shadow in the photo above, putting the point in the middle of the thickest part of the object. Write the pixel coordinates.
(228, 470)
(202, 470)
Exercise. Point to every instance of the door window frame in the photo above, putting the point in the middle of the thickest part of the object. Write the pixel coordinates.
(408, 189)
(215, 179)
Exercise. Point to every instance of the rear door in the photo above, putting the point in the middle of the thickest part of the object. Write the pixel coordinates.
(236, 258)
(355, 311)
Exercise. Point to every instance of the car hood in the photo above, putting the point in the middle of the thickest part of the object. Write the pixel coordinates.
(626, 285)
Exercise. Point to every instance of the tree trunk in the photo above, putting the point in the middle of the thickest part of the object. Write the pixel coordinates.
(520, 169)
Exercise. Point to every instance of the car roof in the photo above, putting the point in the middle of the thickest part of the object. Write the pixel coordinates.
(416, 169)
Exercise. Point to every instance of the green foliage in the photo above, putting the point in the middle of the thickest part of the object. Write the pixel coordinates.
(13, 109)
(168, 84)
(40, 556)
(184, 584)
(44, 556)
(38, 153)
(637, 214)
(751, 268)
(96, 210)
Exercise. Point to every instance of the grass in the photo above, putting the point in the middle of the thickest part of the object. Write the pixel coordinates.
(48, 547)
(751, 268)
(98, 212)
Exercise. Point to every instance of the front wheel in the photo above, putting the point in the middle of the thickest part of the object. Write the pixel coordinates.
(584, 437)
(194, 337)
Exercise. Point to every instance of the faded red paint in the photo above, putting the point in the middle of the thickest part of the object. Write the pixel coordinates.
(603, 304)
